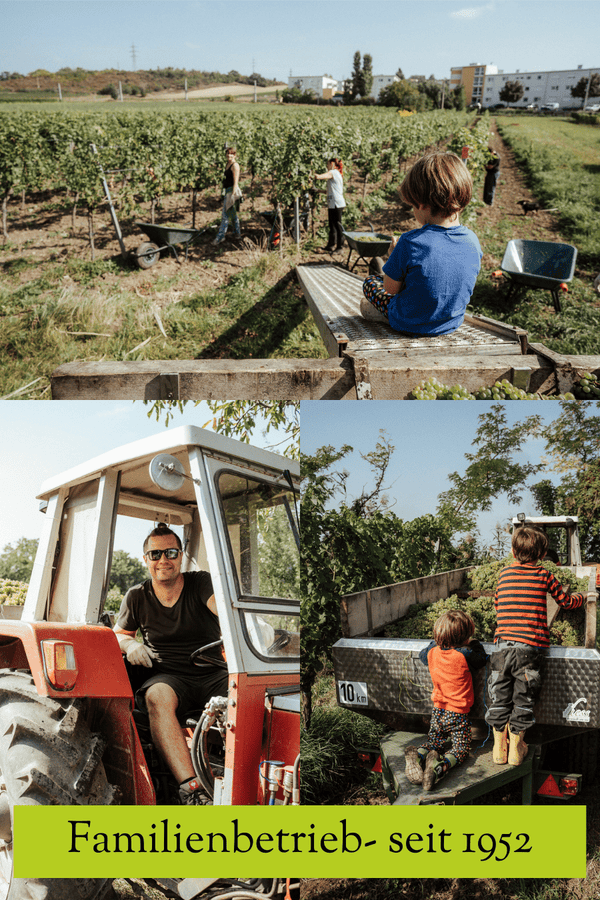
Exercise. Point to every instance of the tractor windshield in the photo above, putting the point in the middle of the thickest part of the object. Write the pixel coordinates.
(262, 531)
(261, 525)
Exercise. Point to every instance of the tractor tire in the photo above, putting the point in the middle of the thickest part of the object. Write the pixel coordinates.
(48, 756)
(146, 255)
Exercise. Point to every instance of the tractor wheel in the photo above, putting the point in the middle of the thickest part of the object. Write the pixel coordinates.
(48, 756)
(146, 255)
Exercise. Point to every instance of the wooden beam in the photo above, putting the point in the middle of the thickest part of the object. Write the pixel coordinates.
(390, 376)
(222, 379)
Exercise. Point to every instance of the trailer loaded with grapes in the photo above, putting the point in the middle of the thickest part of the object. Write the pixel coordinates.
(378, 674)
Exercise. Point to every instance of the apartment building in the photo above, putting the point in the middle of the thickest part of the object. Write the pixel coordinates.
(539, 87)
(472, 77)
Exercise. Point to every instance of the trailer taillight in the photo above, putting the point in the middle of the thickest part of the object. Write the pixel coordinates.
(60, 664)
(560, 786)
(569, 786)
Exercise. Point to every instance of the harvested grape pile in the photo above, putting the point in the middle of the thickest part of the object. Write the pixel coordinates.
(419, 621)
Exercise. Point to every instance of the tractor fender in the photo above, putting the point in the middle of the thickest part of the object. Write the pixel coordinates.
(100, 667)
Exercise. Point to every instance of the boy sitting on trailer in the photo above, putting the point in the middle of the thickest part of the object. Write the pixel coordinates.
(430, 275)
(451, 656)
(521, 638)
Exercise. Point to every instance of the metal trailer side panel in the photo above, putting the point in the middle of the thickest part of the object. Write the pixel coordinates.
(395, 682)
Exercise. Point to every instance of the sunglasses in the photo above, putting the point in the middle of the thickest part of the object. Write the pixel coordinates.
(170, 553)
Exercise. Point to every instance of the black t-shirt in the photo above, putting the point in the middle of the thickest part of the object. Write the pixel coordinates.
(173, 632)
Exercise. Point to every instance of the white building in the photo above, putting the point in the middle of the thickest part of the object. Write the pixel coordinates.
(381, 81)
(320, 85)
(539, 87)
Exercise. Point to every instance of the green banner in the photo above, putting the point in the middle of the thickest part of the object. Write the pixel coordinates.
(309, 841)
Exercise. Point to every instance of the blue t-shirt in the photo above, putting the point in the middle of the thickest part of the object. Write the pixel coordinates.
(439, 267)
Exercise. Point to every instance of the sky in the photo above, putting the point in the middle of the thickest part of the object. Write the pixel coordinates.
(40, 440)
(302, 37)
(430, 438)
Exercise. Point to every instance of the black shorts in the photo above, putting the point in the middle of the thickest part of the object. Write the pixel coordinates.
(193, 692)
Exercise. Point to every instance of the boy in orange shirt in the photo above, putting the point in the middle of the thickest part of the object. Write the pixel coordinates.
(451, 656)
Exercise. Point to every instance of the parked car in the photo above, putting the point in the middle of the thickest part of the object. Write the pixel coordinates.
(551, 106)
(594, 108)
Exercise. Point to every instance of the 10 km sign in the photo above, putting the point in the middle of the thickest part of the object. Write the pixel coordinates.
(353, 693)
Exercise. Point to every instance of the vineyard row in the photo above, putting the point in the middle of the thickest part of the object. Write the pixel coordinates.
(148, 155)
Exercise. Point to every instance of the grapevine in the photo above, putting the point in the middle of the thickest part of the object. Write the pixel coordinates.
(419, 621)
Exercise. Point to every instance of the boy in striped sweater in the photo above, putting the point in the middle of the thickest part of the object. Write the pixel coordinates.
(521, 639)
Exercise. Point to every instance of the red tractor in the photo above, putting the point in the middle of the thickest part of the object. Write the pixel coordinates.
(68, 733)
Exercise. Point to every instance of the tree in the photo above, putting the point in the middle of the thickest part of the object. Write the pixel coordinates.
(354, 545)
(459, 97)
(239, 418)
(126, 571)
(573, 443)
(581, 88)
(573, 439)
(16, 560)
(512, 92)
(492, 470)
(404, 95)
(400, 74)
(356, 76)
(362, 75)
(367, 75)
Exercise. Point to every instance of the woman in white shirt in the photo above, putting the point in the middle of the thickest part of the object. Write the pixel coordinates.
(335, 202)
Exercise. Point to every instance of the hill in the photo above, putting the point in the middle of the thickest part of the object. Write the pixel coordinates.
(81, 82)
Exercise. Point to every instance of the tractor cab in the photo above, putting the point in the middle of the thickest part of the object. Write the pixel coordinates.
(562, 533)
(234, 507)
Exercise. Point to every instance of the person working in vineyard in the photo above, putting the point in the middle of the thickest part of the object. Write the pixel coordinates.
(521, 639)
(231, 197)
(177, 614)
(492, 170)
(430, 275)
(452, 656)
(335, 202)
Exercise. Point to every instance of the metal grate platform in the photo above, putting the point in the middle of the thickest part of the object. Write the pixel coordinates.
(334, 294)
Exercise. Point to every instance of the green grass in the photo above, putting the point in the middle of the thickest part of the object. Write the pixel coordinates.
(562, 161)
(259, 313)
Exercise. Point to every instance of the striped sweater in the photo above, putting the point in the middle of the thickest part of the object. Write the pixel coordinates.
(521, 607)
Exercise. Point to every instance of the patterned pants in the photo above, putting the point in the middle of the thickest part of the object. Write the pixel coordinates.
(443, 724)
(375, 294)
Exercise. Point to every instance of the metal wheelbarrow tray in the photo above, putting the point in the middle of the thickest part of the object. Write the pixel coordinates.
(367, 244)
(163, 237)
(539, 264)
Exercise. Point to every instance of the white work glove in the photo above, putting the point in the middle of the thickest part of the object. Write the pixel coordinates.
(140, 655)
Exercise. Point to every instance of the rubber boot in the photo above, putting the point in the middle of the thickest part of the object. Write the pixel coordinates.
(517, 750)
(500, 755)
(414, 769)
(430, 776)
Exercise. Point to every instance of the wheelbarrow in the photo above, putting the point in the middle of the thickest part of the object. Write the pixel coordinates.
(163, 237)
(368, 245)
(538, 264)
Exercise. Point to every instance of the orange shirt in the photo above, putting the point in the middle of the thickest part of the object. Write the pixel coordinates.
(450, 672)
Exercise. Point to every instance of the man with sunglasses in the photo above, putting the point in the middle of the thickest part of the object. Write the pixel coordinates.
(177, 614)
